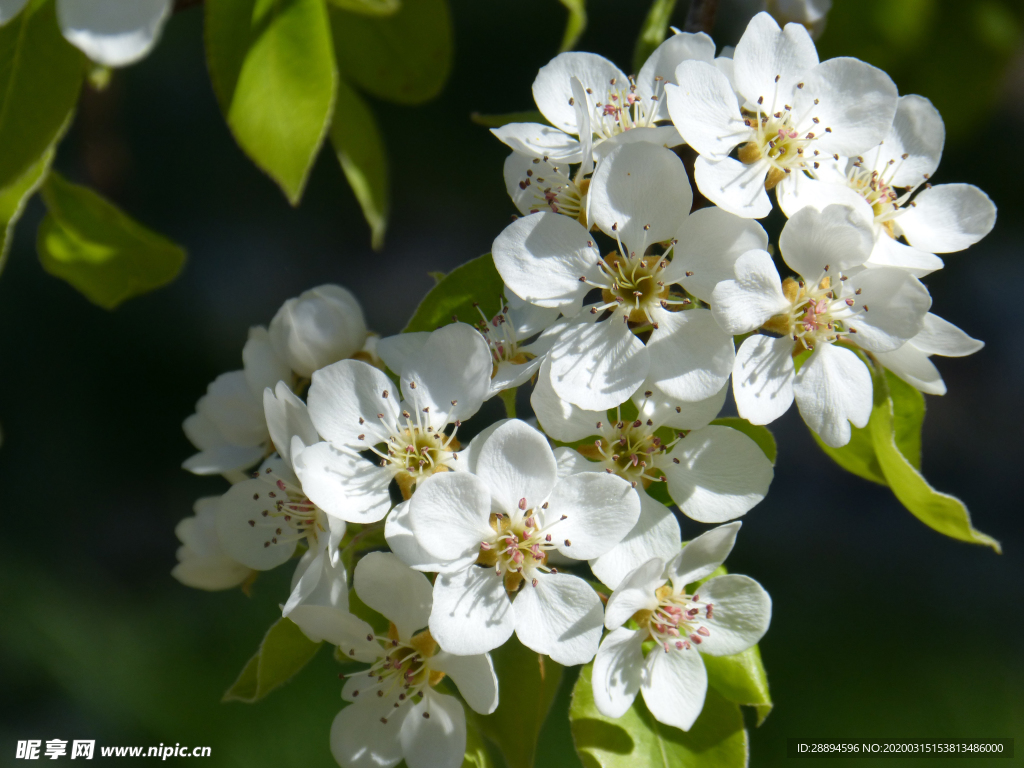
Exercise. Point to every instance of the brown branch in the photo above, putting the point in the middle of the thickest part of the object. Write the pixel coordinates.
(701, 16)
(184, 5)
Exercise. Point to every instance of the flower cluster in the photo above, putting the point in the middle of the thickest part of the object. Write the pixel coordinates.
(626, 296)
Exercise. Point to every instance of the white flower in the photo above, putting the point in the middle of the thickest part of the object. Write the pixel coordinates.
(881, 184)
(876, 310)
(356, 408)
(491, 528)
(713, 473)
(786, 110)
(202, 562)
(395, 712)
(588, 101)
(540, 184)
(938, 337)
(724, 615)
(319, 327)
(640, 196)
(114, 33)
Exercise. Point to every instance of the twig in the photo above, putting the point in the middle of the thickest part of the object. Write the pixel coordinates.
(701, 16)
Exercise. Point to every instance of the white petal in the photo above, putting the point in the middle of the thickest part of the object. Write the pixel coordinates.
(343, 484)
(668, 411)
(112, 32)
(836, 237)
(561, 617)
(449, 515)
(753, 295)
(541, 258)
(798, 191)
(552, 91)
(509, 375)
(570, 462)
(434, 732)
(833, 388)
(360, 740)
(640, 193)
(656, 534)
(635, 593)
(941, 337)
(263, 366)
(528, 318)
(467, 457)
(691, 356)
(561, 419)
(664, 136)
(709, 243)
(762, 378)
(917, 131)
(538, 140)
(321, 326)
(394, 590)
(766, 52)
(948, 218)
(396, 350)
(599, 510)
(855, 100)
(618, 671)
(662, 63)
(344, 400)
(287, 417)
(472, 613)
(913, 366)
(704, 108)
(675, 685)
(234, 409)
(474, 675)
(400, 537)
(703, 555)
(598, 366)
(452, 374)
(318, 582)
(721, 474)
(516, 463)
(337, 627)
(742, 612)
(897, 304)
(889, 252)
(734, 186)
(249, 536)
(222, 459)
(583, 107)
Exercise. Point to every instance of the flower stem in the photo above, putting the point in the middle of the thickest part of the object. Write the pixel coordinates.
(508, 397)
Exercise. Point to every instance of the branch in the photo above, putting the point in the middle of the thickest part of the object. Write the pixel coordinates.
(701, 16)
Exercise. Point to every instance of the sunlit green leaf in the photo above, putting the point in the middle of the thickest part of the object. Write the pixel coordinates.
(40, 76)
(456, 293)
(496, 121)
(529, 684)
(403, 58)
(653, 31)
(476, 755)
(101, 251)
(741, 678)
(759, 434)
(576, 23)
(369, 7)
(284, 651)
(272, 67)
(363, 157)
(637, 740)
(14, 197)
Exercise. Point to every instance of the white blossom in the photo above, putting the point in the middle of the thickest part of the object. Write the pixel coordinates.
(490, 529)
(114, 33)
(937, 337)
(202, 561)
(723, 616)
(782, 108)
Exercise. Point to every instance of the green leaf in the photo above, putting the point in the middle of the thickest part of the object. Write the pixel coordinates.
(476, 755)
(369, 7)
(272, 67)
(635, 740)
(363, 157)
(40, 76)
(456, 293)
(14, 197)
(760, 435)
(496, 121)
(404, 58)
(284, 651)
(575, 25)
(529, 684)
(940, 511)
(741, 679)
(105, 254)
(857, 456)
(653, 31)
(908, 415)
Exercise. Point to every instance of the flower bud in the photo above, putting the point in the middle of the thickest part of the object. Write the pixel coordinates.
(320, 327)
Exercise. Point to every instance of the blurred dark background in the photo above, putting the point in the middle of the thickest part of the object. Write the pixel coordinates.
(881, 628)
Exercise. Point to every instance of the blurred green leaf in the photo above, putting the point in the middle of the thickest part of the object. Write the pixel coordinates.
(716, 740)
(456, 295)
(404, 58)
(284, 651)
(496, 121)
(908, 418)
(369, 7)
(759, 434)
(653, 31)
(101, 251)
(363, 157)
(272, 68)
(939, 511)
(741, 679)
(40, 76)
(529, 684)
(575, 25)
(476, 755)
(13, 198)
